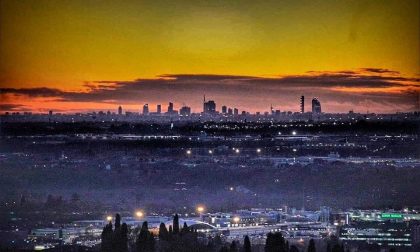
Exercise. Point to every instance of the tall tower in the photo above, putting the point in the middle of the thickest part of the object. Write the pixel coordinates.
(204, 104)
(302, 104)
(120, 110)
(146, 109)
(316, 106)
(158, 109)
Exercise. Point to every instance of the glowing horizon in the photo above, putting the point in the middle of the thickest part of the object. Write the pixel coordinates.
(60, 55)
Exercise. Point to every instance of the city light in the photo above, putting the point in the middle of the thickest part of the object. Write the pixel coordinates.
(237, 150)
(200, 209)
(236, 219)
(231, 188)
(188, 152)
(294, 133)
(139, 214)
(109, 218)
(258, 150)
(210, 152)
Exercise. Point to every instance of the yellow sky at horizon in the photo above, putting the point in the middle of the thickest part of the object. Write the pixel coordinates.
(66, 43)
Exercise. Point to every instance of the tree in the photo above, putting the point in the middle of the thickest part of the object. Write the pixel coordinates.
(145, 241)
(247, 244)
(106, 238)
(185, 228)
(311, 246)
(233, 247)
(163, 232)
(293, 248)
(275, 243)
(117, 221)
(123, 238)
(337, 248)
(176, 224)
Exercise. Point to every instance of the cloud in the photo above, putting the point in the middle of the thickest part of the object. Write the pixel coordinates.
(11, 107)
(387, 89)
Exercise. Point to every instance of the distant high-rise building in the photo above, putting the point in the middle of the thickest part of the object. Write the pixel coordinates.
(146, 109)
(158, 109)
(50, 113)
(235, 111)
(316, 106)
(120, 110)
(230, 111)
(185, 111)
(209, 107)
(302, 104)
(224, 109)
(170, 108)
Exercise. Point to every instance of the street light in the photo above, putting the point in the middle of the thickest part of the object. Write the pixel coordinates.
(294, 133)
(188, 152)
(200, 209)
(237, 150)
(109, 218)
(236, 219)
(258, 150)
(210, 152)
(139, 214)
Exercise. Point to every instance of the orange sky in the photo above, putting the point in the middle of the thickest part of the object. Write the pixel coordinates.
(65, 44)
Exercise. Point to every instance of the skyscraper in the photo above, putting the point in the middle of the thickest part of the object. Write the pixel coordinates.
(235, 111)
(224, 109)
(170, 108)
(230, 111)
(119, 110)
(185, 111)
(316, 106)
(159, 109)
(209, 107)
(146, 109)
(302, 104)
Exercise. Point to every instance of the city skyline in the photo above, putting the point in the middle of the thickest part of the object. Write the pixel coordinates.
(363, 90)
(78, 57)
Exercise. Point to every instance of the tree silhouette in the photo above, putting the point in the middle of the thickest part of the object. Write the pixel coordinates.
(145, 241)
(275, 243)
(233, 247)
(106, 238)
(311, 246)
(185, 228)
(117, 221)
(247, 244)
(176, 224)
(293, 248)
(163, 232)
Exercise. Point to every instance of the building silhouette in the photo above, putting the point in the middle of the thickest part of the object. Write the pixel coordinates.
(146, 109)
(316, 106)
(159, 109)
(302, 104)
(224, 109)
(119, 110)
(209, 107)
(170, 108)
(185, 111)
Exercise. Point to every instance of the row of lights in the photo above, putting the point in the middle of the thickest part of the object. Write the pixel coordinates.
(139, 214)
(236, 150)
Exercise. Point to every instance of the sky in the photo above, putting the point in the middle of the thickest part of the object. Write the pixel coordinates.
(80, 56)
